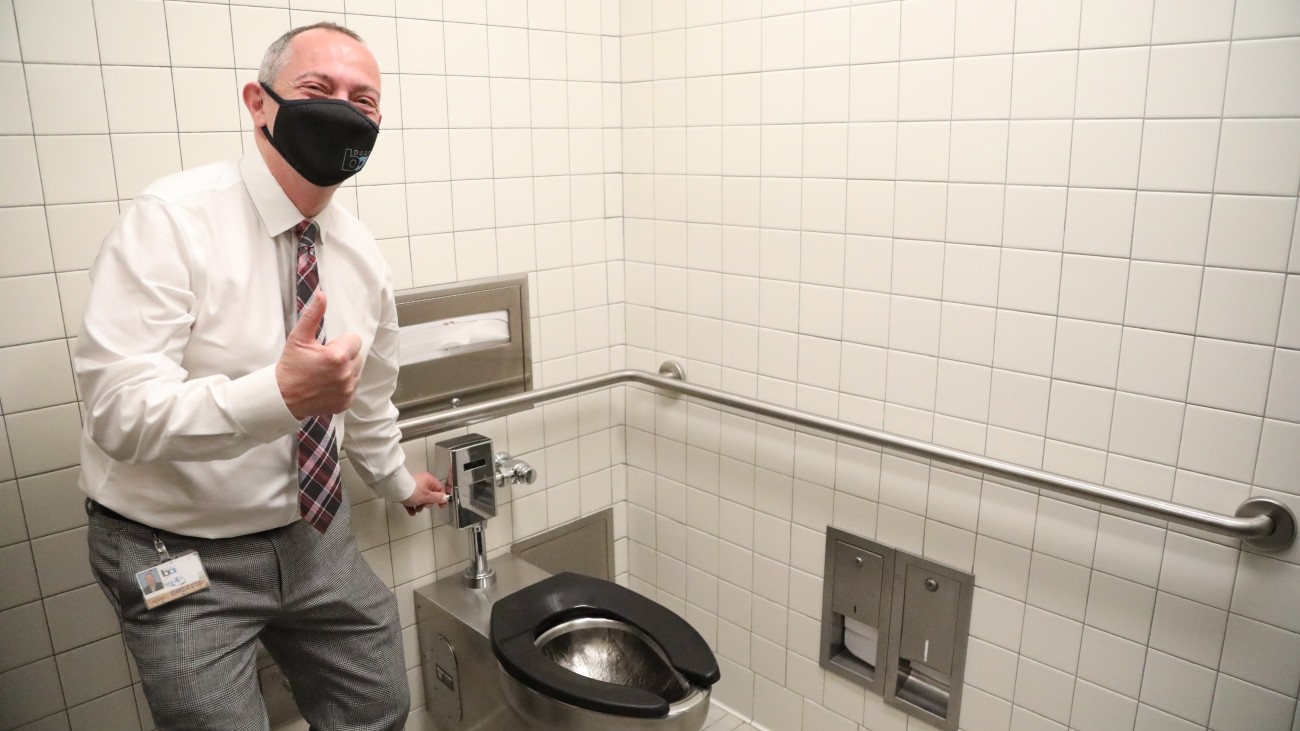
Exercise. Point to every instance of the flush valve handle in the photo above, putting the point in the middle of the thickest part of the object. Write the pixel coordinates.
(513, 471)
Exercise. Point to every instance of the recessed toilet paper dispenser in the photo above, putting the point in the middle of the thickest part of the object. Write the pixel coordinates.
(897, 624)
(856, 598)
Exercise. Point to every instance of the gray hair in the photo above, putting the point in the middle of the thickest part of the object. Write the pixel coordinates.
(278, 53)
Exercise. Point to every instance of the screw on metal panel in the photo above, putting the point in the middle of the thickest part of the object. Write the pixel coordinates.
(931, 585)
(857, 561)
(455, 403)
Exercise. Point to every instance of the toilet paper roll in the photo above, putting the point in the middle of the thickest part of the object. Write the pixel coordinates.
(861, 640)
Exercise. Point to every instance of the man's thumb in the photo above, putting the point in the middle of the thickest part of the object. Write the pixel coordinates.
(309, 319)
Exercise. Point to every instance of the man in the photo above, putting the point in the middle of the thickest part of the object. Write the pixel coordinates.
(216, 401)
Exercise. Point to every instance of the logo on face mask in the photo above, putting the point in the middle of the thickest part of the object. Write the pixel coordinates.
(354, 160)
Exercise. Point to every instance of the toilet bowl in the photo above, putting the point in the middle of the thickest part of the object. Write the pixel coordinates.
(579, 653)
(563, 650)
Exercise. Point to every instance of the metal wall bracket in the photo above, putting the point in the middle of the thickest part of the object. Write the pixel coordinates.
(1283, 532)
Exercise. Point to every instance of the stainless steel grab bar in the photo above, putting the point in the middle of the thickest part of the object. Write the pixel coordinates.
(1264, 523)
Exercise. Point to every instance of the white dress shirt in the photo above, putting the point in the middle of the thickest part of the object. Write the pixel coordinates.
(185, 428)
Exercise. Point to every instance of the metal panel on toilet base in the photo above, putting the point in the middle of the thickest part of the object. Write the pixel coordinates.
(449, 615)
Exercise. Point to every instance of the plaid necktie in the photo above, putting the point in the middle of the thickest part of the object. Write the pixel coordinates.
(319, 493)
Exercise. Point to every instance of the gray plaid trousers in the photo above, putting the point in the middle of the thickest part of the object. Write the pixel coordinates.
(328, 621)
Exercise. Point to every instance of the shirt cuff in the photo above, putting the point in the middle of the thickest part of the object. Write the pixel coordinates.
(258, 407)
(396, 487)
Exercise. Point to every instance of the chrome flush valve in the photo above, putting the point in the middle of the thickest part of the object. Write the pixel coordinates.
(472, 475)
(513, 471)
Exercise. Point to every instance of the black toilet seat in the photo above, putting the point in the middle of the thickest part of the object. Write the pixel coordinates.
(517, 621)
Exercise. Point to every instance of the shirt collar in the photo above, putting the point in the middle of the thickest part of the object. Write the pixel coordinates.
(277, 212)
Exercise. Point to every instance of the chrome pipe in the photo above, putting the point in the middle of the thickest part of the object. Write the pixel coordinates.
(1263, 523)
(478, 575)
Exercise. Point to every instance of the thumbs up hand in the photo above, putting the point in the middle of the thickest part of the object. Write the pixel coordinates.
(318, 379)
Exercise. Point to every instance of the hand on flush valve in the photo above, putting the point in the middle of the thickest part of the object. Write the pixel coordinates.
(429, 490)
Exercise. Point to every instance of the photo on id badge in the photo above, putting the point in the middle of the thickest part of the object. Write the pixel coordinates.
(150, 581)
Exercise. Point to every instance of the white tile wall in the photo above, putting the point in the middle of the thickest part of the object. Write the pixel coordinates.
(107, 95)
(1070, 228)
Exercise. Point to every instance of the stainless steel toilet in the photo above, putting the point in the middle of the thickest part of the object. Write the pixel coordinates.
(507, 646)
(581, 653)
(534, 652)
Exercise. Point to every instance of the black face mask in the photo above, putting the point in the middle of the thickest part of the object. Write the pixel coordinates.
(326, 140)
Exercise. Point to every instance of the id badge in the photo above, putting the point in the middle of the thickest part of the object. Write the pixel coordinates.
(172, 579)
